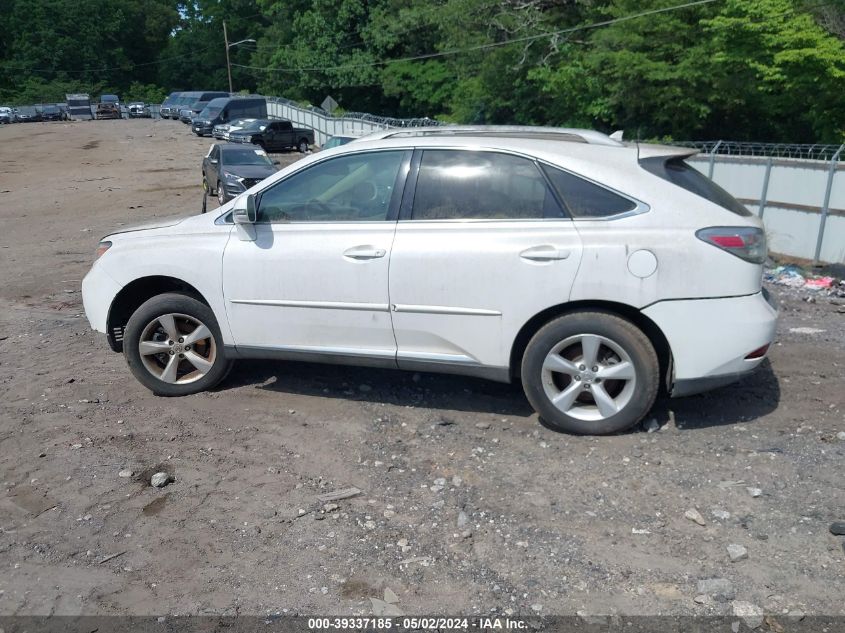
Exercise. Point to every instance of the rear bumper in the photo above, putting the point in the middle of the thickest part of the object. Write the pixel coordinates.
(692, 386)
(710, 339)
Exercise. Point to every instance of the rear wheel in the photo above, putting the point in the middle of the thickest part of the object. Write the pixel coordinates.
(173, 346)
(303, 146)
(590, 373)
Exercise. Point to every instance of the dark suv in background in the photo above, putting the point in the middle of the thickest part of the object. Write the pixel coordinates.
(229, 170)
(28, 114)
(51, 113)
(166, 107)
(223, 110)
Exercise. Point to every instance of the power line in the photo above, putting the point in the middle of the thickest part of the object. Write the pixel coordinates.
(480, 47)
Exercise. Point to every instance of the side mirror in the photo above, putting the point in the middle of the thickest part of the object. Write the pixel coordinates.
(244, 211)
(213, 161)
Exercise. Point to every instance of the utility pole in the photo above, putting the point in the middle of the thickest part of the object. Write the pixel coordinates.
(228, 64)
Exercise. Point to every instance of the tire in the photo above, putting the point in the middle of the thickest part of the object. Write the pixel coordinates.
(221, 194)
(205, 186)
(552, 368)
(302, 146)
(187, 315)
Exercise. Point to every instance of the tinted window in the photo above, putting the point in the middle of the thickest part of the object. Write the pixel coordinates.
(481, 186)
(245, 156)
(680, 173)
(585, 199)
(343, 189)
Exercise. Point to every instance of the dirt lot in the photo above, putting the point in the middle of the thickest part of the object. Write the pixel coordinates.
(469, 505)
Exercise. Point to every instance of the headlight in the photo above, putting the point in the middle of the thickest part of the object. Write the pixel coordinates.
(102, 247)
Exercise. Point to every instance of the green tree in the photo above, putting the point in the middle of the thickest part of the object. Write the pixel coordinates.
(777, 70)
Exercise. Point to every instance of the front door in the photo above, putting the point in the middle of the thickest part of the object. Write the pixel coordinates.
(314, 282)
(483, 247)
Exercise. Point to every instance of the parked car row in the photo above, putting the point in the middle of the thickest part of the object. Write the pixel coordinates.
(184, 106)
(33, 113)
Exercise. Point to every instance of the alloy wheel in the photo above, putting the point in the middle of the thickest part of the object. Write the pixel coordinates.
(177, 348)
(589, 377)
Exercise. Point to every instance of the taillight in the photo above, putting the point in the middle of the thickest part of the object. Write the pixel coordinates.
(746, 242)
(102, 247)
(759, 352)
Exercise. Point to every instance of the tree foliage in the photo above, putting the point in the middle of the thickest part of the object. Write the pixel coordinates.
(767, 70)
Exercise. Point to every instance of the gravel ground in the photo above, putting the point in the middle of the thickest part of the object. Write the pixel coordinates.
(468, 504)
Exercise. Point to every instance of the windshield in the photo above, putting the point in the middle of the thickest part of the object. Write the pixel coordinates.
(27, 110)
(108, 99)
(77, 102)
(50, 109)
(254, 125)
(209, 113)
(246, 156)
(240, 123)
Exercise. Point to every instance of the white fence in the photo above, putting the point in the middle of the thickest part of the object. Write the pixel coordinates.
(325, 125)
(801, 200)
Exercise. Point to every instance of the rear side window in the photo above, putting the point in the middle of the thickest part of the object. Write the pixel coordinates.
(585, 199)
(680, 173)
(468, 185)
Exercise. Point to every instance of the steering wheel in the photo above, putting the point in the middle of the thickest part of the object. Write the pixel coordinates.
(319, 204)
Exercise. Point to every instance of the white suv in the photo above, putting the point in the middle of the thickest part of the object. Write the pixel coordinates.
(591, 270)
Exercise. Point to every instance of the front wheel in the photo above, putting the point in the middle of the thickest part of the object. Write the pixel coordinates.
(221, 194)
(591, 373)
(173, 346)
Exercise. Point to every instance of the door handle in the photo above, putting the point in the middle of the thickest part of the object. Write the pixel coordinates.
(544, 253)
(364, 252)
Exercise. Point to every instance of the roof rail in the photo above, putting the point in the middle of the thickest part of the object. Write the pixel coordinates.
(574, 135)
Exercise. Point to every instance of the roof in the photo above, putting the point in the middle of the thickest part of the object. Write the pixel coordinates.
(225, 146)
(576, 135)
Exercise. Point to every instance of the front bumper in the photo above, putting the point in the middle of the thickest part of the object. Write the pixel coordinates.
(98, 293)
(203, 129)
(710, 339)
(232, 189)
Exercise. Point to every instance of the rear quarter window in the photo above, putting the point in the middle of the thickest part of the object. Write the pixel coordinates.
(585, 199)
(680, 173)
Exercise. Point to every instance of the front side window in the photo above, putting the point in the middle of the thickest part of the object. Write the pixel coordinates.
(585, 199)
(353, 188)
(470, 185)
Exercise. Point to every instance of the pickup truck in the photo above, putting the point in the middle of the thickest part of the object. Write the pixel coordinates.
(274, 135)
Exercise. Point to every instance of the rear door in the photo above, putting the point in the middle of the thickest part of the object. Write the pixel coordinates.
(482, 246)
